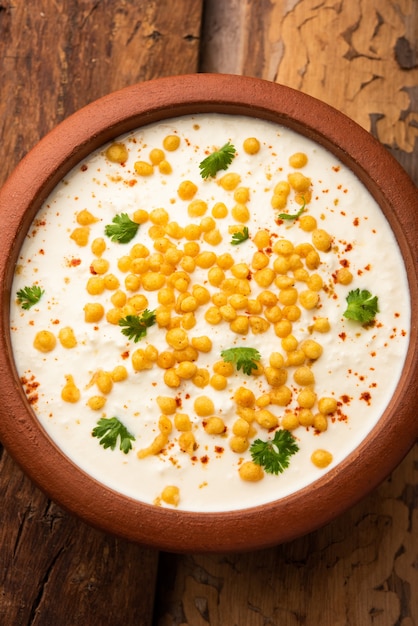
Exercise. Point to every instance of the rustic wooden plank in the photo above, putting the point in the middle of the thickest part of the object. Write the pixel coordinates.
(57, 570)
(359, 569)
(55, 58)
(360, 57)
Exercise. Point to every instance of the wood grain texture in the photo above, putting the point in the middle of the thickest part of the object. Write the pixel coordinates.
(55, 57)
(56, 570)
(58, 56)
(359, 56)
(361, 569)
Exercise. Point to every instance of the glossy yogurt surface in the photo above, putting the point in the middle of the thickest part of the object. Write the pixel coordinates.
(359, 367)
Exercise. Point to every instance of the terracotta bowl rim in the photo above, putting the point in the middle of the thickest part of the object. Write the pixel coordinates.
(181, 531)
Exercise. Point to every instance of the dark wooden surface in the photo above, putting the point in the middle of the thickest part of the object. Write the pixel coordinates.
(360, 57)
(55, 57)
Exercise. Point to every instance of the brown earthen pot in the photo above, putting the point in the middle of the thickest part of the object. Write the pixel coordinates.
(174, 530)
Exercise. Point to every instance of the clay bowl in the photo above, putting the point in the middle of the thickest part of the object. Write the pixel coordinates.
(170, 528)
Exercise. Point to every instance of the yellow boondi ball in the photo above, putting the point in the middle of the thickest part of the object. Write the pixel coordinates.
(251, 472)
(321, 458)
(117, 153)
(171, 495)
(44, 341)
(251, 145)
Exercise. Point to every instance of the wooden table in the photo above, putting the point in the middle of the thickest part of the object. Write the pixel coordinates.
(362, 58)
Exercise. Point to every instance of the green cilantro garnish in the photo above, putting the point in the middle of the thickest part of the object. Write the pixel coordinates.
(108, 430)
(122, 229)
(362, 306)
(28, 296)
(240, 236)
(243, 358)
(218, 160)
(294, 216)
(135, 326)
(275, 453)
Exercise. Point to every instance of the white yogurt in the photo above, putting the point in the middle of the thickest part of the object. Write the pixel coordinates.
(360, 367)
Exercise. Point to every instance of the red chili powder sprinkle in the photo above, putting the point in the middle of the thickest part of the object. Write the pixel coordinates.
(356, 221)
(342, 417)
(30, 383)
(30, 386)
(366, 396)
(204, 459)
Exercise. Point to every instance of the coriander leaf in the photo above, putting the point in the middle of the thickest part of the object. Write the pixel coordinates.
(243, 358)
(122, 229)
(294, 216)
(109, 429)
(274, 454)
(135, 326)
(362, 306)
(240, 236)
(28, 296)
(218, 160)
